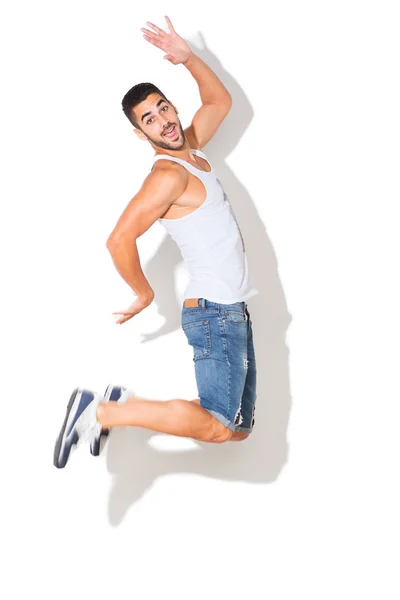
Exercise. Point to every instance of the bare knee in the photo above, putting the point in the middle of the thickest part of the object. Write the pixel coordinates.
(217, 433)
(238, 436)
(224, 434)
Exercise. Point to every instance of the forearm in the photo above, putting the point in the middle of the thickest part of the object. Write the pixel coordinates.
(210, 87)
(126, 260)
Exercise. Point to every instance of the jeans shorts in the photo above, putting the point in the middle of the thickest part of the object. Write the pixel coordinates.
(225, 365)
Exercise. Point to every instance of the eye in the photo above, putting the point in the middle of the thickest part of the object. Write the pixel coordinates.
(149, 121)
(165, 108)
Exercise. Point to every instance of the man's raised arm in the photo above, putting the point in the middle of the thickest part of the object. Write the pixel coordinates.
(215, 98)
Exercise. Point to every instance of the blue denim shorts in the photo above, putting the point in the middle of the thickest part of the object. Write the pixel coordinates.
(225, 365)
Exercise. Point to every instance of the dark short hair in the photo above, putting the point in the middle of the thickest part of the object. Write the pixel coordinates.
(137, 94)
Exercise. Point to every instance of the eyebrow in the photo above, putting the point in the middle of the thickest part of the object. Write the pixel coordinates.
(146, 114)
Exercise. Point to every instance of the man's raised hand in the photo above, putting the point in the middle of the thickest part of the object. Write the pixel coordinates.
(176, 49)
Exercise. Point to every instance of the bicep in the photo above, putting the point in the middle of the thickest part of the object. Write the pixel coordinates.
(205, 123)
(159, 190)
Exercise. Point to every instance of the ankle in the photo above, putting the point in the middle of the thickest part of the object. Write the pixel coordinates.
(100, 412)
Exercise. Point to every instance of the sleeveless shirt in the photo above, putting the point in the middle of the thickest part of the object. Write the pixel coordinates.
(211, 243)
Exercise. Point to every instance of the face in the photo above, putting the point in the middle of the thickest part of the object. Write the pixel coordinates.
(159, 123)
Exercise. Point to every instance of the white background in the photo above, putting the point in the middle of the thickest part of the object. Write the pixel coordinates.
(308, 507)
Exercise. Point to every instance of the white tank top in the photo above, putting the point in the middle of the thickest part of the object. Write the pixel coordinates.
(211, 243)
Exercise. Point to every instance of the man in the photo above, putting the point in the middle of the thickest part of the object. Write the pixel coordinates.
(183, 193)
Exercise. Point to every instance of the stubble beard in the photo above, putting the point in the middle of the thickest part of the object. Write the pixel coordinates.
(172, 145)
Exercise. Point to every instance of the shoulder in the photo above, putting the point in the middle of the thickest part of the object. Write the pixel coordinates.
(167, 177)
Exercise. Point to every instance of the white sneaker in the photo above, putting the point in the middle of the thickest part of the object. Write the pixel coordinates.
(80, 423)
(113, 394)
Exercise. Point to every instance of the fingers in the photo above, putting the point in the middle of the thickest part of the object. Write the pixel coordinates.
(124, 318)
(158, 37)
(171, 27)
(153, 38)
(157, 29)
(150, 33)
(154, 41)
(121, 321)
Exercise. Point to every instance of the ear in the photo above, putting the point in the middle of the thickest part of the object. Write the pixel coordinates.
(140, 134)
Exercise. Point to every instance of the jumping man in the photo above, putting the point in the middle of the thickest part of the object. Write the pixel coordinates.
(184, 194)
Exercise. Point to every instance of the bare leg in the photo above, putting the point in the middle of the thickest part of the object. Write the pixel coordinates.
(237, 436)
(176, 417)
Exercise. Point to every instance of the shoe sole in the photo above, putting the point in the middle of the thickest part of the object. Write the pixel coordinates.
(56, 459)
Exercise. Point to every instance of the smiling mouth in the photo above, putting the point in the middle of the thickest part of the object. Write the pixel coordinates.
(171, 133)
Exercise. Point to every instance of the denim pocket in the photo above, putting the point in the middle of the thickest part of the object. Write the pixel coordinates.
(235, 316)
(198, 336)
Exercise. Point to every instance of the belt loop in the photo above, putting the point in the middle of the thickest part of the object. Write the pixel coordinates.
(203, 302)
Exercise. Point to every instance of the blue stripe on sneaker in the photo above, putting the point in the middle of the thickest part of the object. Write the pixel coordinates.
(116, 393)
(83, 402)
(68, 436)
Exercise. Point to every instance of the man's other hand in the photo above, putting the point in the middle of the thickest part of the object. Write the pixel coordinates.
(134, 309)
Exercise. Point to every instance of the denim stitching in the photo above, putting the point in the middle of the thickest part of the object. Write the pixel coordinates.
(225, 345)
(207, 347)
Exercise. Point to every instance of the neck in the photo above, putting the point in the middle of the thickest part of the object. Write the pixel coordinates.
(183, 153)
